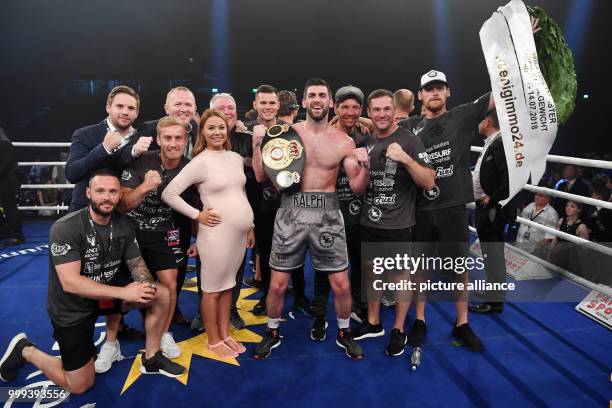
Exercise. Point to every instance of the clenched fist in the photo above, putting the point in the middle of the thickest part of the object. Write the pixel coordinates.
(361, 154)
(259, 131)
(142, 145)
(396, 153)
(152, 179)
(112, 140)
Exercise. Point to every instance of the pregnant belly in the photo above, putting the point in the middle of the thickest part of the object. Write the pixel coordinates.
(236, 213)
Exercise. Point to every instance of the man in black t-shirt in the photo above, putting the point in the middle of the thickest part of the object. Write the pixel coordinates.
(399, 165)
(159, 235)
(86, 248)
(441, 213)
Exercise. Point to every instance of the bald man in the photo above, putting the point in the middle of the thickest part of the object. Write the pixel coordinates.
(404, 104)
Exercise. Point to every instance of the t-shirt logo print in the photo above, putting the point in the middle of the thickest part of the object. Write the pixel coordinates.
(374, 214)
(126, 175)
(91, 240)
(355, 207)
(326, 240)
(59, 249)
(432, 194)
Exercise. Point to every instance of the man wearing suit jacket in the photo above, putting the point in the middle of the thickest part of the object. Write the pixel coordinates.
(104, 145)
(180, 103)
(491, 186)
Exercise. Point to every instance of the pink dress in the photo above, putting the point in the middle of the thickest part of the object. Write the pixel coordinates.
(219, 177)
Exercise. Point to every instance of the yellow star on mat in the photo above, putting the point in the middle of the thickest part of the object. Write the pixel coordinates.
(198, 345)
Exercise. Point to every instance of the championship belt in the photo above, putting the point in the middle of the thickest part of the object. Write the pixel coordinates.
(282, 151)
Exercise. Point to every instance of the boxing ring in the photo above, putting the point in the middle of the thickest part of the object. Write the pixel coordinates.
(536, 353)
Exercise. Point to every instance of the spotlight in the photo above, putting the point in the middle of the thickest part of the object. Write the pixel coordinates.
(214, 90)
(254, 90)
(585, 96)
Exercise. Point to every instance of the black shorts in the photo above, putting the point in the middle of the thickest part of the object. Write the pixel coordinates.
(446, 226)
(369, 234)
(76, 342)
(157, 254)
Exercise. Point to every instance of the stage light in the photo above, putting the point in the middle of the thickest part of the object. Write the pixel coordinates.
(254, 90)
(585, 96)
(214, 90)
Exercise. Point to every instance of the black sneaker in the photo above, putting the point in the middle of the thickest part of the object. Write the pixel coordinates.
(468, 337)
(319, 329)
(235, 320)
(397, 342)
(253, 283)
(417, 333)
(260, 308)
(303, 305)
(264, 347)
(158, 364)
(12, 360)
(366, 330)
(346, 341)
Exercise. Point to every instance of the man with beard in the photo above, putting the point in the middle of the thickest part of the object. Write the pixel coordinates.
(112, 144)
(267, 106)
(441, 214)
(348, 107)
(86, 248)
(311, 219)
(399, 166)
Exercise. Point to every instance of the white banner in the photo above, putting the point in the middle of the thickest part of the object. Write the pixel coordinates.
(518, 266)
(525, 108)
(598, 307)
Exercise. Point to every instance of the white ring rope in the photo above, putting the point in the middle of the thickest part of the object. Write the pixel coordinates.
(598, 164)
(58, 163)
(557, 159)
(41, 144)
(563, 272)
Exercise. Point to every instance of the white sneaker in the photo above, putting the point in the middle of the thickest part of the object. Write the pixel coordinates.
(109, 352)
(169, 347)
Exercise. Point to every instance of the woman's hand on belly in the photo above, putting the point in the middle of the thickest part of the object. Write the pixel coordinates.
(251, 238)
(209, 217)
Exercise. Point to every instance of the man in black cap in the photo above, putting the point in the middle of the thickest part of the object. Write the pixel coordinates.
(441, 214)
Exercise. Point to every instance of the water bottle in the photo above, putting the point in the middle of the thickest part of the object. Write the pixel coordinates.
(389, 176)
(415, 358)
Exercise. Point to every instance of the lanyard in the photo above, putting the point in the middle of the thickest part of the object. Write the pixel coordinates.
(99, 239)
(535, 215)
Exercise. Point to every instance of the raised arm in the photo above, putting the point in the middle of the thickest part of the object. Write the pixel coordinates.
(84, 157)
(357, 168)
(423, 176)
(259, 131)
(132, 197)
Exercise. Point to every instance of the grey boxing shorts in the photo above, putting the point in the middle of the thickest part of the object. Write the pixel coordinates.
(309, 221)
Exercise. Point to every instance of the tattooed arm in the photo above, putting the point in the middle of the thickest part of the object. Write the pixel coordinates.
(139, 270)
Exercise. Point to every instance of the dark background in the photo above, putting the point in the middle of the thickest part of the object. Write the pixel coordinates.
(60, 58)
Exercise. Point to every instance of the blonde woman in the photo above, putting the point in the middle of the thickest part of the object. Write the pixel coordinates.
(225, 225)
